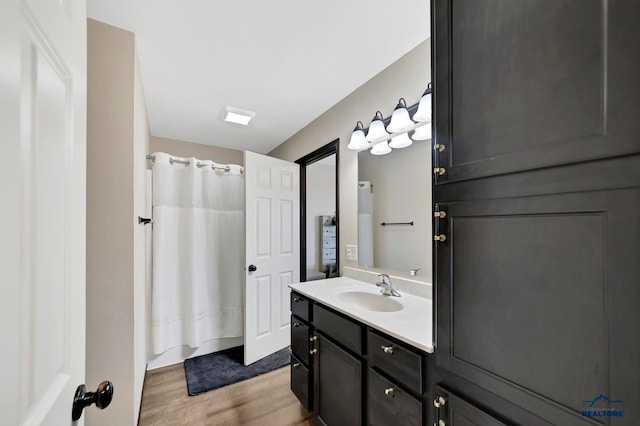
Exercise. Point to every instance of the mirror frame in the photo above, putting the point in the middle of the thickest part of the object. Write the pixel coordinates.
(317, 155)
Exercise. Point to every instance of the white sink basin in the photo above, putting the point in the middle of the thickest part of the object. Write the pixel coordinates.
(371, 302)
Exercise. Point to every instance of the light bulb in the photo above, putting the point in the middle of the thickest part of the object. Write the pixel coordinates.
(381, 149)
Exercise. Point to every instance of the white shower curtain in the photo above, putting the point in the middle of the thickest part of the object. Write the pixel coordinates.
(198, 252)
(365, 224)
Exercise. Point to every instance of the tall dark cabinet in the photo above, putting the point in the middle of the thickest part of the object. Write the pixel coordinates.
(537, 284)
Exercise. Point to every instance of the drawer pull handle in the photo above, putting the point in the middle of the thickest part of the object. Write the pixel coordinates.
(439, 402)
(313, 351)
(389, 392)
(297, 299)
(313, 338)
(296, 324)
(296, 365)
(387, 349)
(440, 423)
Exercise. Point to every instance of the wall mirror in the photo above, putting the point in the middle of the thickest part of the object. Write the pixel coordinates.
(319, 213)
(394, 210)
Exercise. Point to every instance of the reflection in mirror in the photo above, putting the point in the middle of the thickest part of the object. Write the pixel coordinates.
(395, 189)
(321, 229)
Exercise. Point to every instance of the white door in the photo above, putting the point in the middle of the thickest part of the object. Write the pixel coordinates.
(42, 217)
(272, 224)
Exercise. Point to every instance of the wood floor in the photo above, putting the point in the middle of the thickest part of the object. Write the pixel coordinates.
(264, 400)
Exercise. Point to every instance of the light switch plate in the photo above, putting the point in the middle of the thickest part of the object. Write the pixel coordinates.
(352, 252)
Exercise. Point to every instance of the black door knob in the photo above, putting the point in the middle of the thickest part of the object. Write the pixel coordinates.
(101, 397)
(252, 268)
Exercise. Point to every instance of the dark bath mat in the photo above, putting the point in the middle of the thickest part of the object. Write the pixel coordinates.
(213, 371)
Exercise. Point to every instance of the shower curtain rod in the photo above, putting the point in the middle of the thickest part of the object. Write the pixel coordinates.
(186, 163)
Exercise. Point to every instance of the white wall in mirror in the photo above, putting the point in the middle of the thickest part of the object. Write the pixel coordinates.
(401, 185)
(321, 200)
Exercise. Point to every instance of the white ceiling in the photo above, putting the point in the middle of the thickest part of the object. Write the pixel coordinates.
(286, 60)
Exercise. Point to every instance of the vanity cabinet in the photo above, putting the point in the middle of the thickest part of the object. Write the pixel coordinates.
(357, 375)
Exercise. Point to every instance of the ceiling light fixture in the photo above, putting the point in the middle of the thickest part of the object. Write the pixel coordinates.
(358, 141)
(237, 115)
(376, 132)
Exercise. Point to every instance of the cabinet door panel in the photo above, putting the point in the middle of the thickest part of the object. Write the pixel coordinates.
(520, 85)
(338, 381)
(537, 323)
(458, 412)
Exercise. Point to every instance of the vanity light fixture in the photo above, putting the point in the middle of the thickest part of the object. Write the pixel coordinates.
(400, 121)
(236, 115)
(399, 125)
(424, 107)
(376, 132)
(358, 140)
(422, 133)
(400, 141)
(381, 148)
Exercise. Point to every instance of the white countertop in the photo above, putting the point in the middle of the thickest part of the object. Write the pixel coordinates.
(412, 324)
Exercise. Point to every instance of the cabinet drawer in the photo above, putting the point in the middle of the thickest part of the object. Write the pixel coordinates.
(395, 359)
(341, 329)
(300, 340)
(300, 307)
(329, 243)
(328, 254)
(301, 383)
(387, 404)
(329, 231)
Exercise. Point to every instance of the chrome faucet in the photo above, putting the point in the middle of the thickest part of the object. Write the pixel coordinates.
(385, 286)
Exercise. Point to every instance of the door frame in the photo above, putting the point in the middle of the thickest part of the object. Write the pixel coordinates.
(325, 151)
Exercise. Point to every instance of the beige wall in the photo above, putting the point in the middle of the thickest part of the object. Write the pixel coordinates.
(407, 77)
(142, 233)
(117, 138)
(188, 149)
